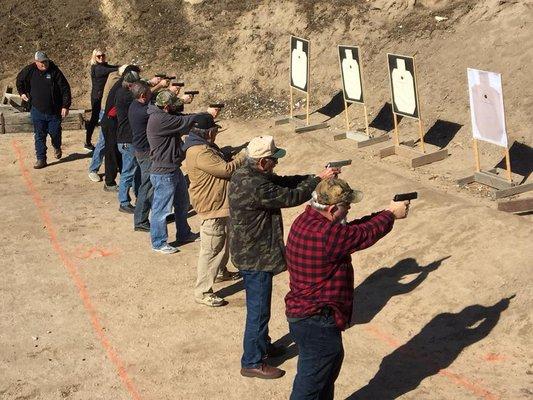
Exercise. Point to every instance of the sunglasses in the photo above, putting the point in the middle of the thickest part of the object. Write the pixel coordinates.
(273, 159)
(100, 56)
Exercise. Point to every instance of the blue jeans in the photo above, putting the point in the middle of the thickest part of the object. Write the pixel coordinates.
(127, 174)
(99, 150)
(258, 287)
(320, 357)
(146, 192)
(44, 124)
(169, 189)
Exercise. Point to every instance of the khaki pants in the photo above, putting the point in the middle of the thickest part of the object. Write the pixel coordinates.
(214, 254)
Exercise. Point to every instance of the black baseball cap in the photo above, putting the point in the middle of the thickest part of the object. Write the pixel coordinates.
(205, 121)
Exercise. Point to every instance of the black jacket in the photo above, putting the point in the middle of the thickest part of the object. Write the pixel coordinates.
(99, 74)
(48, 91)
(123, 99)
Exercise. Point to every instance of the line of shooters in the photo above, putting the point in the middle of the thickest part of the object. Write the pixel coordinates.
(238, 199)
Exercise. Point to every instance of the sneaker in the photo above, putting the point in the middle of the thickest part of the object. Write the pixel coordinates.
(40, 164)
(264, 371)
(128, 209)
(193, 237)
(88, 147)
(110, 188)
(211, 300)
(142, 228)
(93, 176)
(228, 276)
(166, 249)
(58, 153)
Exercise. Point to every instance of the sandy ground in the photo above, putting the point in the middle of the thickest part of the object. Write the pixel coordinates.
(88, 311)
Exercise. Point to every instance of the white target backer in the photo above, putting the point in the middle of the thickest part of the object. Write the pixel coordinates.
(486, 106)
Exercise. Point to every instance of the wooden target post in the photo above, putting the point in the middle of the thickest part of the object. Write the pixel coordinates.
(489, 125)
(405, 102)
(351, 70)
(299, 82)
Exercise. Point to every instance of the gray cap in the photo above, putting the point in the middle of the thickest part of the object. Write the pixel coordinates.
(41, 56)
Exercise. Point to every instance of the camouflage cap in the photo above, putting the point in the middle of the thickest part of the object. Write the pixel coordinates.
(335, 191)
(166, 98)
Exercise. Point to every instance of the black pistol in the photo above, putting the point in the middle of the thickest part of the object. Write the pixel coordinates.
(405, 196)
(338, 164)
(193, 92)
(216, 105)
(180, 84)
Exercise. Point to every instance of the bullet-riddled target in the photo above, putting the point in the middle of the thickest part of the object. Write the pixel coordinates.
(486, 106)
(299, 65)
(350, 64)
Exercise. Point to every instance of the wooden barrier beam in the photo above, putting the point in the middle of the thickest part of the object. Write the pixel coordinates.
(516, 206)
(492, 180)
(500, 194)
(307, 128)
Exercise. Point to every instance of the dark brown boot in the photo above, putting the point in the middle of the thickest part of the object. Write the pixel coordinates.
(264, 371)
(39, 164)
(58, 153)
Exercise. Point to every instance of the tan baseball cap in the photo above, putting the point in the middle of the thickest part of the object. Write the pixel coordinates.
(264, 146)
(335, 191)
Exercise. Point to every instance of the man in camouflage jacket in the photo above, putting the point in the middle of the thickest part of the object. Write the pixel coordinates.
(256, 196)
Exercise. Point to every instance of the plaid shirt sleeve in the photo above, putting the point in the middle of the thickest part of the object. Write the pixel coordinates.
(358, 234)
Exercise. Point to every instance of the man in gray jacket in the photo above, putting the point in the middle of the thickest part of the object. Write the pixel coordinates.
(164, 131)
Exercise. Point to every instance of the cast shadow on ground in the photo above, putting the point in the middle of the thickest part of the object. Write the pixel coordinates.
(433, 349)
(231, 289)
(384, 120)
(375, 291)
(71, 157)
(334, 107)
(442, 133)
(521, 160)
(291, 350)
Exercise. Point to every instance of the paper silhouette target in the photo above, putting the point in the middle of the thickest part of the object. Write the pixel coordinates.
(403, 85)
(299, 63)
(351, 73)
(486, 106)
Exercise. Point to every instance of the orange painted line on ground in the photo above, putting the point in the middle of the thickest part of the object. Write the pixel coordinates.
(452, 376)
(96, 252)
(76, 278)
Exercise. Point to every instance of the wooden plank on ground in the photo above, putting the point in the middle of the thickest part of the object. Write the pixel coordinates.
(516, 206)
(466, 180)
(308, 128)
(500, 194)
(492, 180)
(387, 151)
(429, 158)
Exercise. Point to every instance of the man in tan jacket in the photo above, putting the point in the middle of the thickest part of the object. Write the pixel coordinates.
(209, 172)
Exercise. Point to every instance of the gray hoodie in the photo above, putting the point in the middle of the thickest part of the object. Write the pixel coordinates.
(164, 133)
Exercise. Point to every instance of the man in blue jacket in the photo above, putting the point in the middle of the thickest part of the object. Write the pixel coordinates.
(44, 86)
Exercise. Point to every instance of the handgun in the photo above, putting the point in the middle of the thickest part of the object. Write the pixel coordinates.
(180, 84)
(193, 92)
(338, 164)
(405, 196)
(165, 76)
(216, 105)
